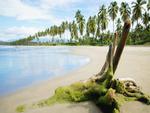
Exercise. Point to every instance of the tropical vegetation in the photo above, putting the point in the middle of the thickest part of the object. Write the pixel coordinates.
(94, 30)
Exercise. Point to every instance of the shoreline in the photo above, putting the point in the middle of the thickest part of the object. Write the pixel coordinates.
(96, 54)
(32, 85)
(72, 51)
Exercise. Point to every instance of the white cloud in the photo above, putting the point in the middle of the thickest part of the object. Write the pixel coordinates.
(24, 11)
(62, 3)
(22, 30)
(17, 32)
(41, 10)
(20, 10)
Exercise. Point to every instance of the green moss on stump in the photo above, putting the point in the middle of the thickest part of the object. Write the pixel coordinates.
(20, 108)
(109, 100)
(77, 92)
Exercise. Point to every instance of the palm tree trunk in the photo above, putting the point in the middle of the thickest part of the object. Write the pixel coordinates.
(113, 26)
(137, 22)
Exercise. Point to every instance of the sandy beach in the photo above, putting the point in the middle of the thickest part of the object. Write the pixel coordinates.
(135, 63)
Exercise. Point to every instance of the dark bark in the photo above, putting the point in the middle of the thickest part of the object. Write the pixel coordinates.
(121, 44)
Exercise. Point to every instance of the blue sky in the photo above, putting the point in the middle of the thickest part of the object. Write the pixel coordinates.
(20, 18)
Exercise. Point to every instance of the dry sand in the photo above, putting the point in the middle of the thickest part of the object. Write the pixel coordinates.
(135, 63)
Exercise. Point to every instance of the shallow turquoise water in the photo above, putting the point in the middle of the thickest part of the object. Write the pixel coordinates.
(22, 66)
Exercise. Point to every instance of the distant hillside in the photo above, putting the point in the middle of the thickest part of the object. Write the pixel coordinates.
(3, 43)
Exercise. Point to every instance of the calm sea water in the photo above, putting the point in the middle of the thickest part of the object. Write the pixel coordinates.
(21, 66)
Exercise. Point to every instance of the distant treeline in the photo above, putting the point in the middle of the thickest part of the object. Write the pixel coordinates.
(4, 43)
(94, 30)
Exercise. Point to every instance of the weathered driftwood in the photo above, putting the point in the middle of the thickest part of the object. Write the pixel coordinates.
(100, 76)
(126, 87)
(121, 44)
(115, 54)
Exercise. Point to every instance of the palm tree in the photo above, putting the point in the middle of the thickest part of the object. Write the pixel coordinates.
(66, 28)
(103, 17)
(77, 16)
(113, 10)
(137, 9)
(71, 31)
(80, 21)
(82, 25)
(87, 28)
(145, 19)
(119, 26)
(53, 32)
(98, 26)
(97, 32)
(63, 26)
(148, 5)
(92, 25)
(125, 11)
(98, 21)
(75, 30)
(59, 31)
(66, 25)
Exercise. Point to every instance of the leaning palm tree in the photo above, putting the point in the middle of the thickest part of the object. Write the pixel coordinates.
(113, 10)
(125, 11)
(145, 19)
(137, 9)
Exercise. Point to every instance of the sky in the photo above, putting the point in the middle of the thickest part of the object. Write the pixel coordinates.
(21, 18)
